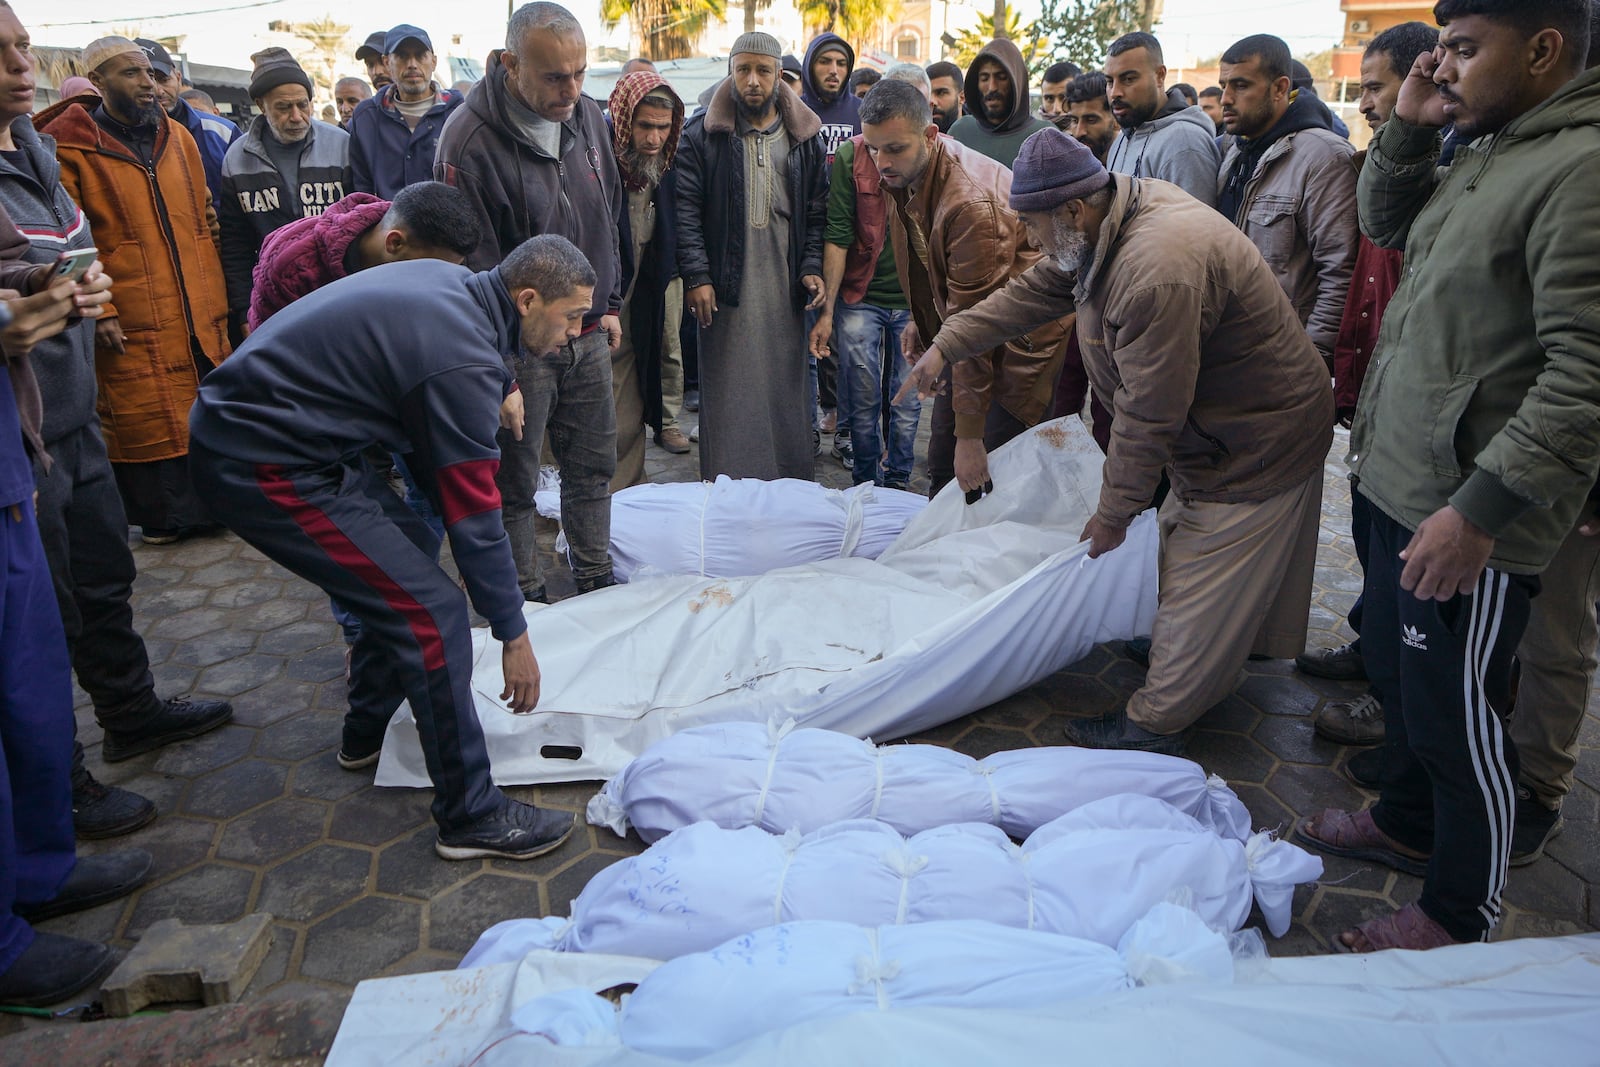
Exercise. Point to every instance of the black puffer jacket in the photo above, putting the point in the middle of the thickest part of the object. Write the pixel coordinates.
(710, 168)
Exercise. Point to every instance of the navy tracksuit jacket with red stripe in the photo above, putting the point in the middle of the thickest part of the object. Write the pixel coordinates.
(410, 357)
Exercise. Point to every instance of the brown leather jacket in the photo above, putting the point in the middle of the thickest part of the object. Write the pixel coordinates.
(1190, 341)
(975, 244)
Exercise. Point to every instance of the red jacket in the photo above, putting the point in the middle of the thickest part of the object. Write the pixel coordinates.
(1376, 278)
(872, 225)
(309, 253)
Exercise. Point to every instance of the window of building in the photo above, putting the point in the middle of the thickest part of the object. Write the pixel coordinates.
(908, 48)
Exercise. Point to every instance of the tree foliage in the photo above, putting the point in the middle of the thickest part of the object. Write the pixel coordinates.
(1034, 49)
(1080, 31)
(325, 49)
(857, 21)
(664, 29)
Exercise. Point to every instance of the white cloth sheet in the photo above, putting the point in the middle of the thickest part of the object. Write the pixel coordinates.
(781, 778)
(740, 526)
(1090, 874)
(969, 605)
(1534, 1000)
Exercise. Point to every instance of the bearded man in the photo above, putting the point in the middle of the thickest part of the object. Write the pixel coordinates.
(752, 206)
(1190, 341)
(139, 179)
(287, 166)
(647, 367)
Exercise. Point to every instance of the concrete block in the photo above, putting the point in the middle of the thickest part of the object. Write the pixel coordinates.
(174, 962)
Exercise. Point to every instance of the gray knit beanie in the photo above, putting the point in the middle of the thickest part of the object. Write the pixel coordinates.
(1052, 168)
(757, 43)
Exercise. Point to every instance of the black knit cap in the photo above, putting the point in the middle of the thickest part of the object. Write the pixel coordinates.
(275, 67)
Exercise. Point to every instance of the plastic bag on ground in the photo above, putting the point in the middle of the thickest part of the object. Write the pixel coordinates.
(701, 885)
(782, 778)
(807, 971)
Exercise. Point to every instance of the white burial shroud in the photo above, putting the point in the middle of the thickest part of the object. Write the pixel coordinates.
(969, 605)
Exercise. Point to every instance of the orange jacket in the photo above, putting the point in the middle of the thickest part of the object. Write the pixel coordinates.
(155, 239)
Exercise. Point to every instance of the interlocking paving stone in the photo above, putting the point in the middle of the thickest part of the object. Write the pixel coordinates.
(981, 741)
(349, 869)
(246, 594)
(454, 917)
(298, 637)
(212, 893)
(410, 867)
(197, 756)
(214, 647)
(1234, 756)
(306, 734)
(236, 789)
(237, 675)
(374, 816)
(361, 940)
(269, 703)
(273, 831)
(314, 883)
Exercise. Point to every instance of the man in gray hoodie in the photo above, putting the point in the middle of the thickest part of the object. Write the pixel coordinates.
(1163, 136)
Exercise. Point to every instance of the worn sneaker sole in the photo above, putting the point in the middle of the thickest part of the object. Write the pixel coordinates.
(114, 751)
(356, 763)
(1345, 673)
(1341, 737)
(473, 852)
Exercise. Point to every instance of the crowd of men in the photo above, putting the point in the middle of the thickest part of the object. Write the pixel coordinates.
(445, 282)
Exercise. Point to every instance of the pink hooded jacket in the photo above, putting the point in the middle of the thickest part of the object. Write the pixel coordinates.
(309, 253)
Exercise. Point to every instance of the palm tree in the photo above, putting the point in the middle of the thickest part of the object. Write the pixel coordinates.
(325, 39)
(970, 42)
(665, 29)
(857, 21)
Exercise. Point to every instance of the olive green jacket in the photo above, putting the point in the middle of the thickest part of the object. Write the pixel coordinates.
(1484, 391)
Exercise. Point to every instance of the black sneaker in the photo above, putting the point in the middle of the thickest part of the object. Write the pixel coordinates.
(178, 720)
(1534, 827)
(101, 811)
(94, 880)
(843, 452)
(53, 968)
(1368, 768)
(516, 832)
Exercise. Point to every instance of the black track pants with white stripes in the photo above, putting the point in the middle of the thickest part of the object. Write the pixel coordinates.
(1443, 673)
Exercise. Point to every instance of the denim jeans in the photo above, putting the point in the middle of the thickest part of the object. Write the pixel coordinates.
(835, 388)
(568, 393)
(866, 343)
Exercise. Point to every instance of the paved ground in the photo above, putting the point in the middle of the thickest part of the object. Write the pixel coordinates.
(257, 816)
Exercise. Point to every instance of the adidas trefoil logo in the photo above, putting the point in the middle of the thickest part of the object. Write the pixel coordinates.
(1415, 638)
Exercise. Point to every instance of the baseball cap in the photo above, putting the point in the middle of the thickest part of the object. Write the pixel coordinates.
(160, 61)
(372, 47)
(402, 33)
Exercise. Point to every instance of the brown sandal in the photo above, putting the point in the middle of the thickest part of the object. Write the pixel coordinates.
(1355, 835)
(1408, 928)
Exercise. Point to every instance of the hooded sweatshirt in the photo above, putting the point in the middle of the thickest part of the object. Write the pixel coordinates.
(841, 116)
(309, 253)
(520, 191)
(1178, 145)
(1301, 114)
(999, 141)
